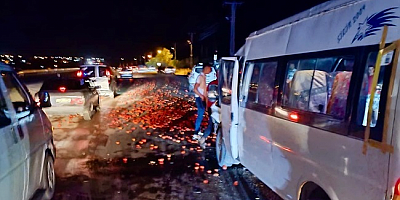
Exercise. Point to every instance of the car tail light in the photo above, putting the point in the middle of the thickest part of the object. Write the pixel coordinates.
(79, 73)
(62, 89)
(108, 73)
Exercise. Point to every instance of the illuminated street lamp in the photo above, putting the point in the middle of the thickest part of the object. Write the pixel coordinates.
(159, 51)
(149, 56)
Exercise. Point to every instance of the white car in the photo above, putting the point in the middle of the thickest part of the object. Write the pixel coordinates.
(27, 151)
(102, 77)
(125, 72)
(196, 72)
(170, 70)
(142, 69)
(152, 69)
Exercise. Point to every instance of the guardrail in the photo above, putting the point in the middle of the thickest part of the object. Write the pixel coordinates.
(45, 71)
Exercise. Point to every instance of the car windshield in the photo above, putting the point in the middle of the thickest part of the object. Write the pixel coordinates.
(170, 67)
(70, 84)
(198, 70)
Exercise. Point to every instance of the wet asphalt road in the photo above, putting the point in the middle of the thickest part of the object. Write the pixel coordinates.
(139, 147)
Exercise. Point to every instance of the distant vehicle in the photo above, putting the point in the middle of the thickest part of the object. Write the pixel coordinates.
(152, 69)
(142, 69)
(69, 96)
(315, 113)
(135, 69)
(125, 72)
(102, 76)
(161, 69)
(27, 151)
(196, 72)
(170, 70)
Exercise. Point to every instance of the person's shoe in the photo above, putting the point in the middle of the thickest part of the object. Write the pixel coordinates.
(196, 137)
(202, 142)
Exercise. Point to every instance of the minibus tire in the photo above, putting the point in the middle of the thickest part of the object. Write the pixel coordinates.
(223, 156)
(49, 185)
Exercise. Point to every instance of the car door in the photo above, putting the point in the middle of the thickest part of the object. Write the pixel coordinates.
(103, 77)
(29, 128)
(228, 84)
(12, 154)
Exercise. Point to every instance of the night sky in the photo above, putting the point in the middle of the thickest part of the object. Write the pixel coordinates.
(130, 28)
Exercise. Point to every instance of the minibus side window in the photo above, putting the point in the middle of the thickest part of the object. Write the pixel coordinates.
(319, 85)
(266, 84)
(253, 86)
(378, 106)
(226, 84)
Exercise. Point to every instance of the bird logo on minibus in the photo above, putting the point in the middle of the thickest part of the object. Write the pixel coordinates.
(374, 23)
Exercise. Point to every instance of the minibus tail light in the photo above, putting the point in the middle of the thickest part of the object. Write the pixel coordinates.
(294, 116)
(397, 190)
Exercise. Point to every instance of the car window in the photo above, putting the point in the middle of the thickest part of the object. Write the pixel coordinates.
(89, 71)
(4, 119)
(69, 84)
(17, 94)
(198, 70)
(104, 71)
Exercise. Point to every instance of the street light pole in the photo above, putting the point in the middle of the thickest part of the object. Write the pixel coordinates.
(233, 23)
(175, 50)
(191, 53)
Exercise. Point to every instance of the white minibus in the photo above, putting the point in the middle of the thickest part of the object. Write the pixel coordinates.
(309, 104)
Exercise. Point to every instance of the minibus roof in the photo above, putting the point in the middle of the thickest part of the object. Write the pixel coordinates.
(316, 10)
(331, 25)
